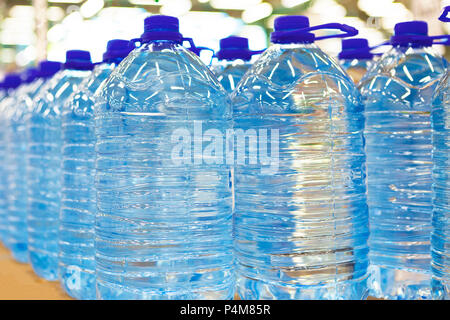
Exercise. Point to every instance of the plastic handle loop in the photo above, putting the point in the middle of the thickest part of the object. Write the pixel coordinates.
(200, 49)
(444, 16)
(348, 31)
(249, 52)
(386, 43)
(304, 35)
(445, 40)
(197, 50)
(191, 43)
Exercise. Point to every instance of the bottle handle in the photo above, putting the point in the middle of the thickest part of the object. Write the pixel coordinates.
(445, 39)
(200, 49)
(191, 43)
(444, 16)
(197, 50)
(348, 31)
(385, 43)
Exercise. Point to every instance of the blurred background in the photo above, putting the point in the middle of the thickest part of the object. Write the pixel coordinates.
(33, 30)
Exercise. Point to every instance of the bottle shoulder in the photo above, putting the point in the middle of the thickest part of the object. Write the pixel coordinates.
(407, 68)
(164, 80)
(54, 94)
(288, 79)
(82, 101)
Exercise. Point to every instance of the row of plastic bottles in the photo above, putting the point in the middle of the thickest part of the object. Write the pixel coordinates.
(116, 177)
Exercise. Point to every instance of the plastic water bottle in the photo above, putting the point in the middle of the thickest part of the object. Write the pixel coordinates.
(15, 161)
(44, 163)
(15, 168)
(301, 220)
(356, 57)
(78, 199)
(397, 94)
(234, 60)
(163, 226)
(11, 82)
(440, 236)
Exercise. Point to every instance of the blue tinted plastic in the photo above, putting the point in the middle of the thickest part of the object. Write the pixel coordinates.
(168, 224)
(440, 243)
(44, 171)
(7, 101)
(78, 198)
(301, 230)
(356, 68)
(397, 95)
(15, 165)
(440, 236)
(229, 73)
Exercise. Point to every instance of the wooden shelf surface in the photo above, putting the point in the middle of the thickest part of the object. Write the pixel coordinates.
(19, 282)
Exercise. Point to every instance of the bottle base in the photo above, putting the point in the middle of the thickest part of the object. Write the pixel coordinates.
(440, 290)
(77, 283)
(19, 252)
(396, 284)
(251, 289)
(44, 266)
(109, 291)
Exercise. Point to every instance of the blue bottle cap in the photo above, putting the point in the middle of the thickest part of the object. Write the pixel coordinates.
(12, 81)
(233, 48)
(78, 60)
(48, 68)
(355, 48)
(160, 27)
(117, 49)
(411, 33)
(29, 75)
(291, 23)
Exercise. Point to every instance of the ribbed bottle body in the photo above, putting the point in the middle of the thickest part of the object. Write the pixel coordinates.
(44, 171)
(78, 198)
(15, 165)
(6, 102)
(301, 222)
(163, 228)
(397, 96)
(440, 235)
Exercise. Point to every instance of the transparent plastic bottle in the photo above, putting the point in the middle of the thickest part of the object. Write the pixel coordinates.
(11, 82)
(356, 58)
(15, 160)
(78, 199)
(440, 236)
(301, 220)
(163, 227)
(44, 163)
(15, 167)
(233, 61)
(397, 95)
